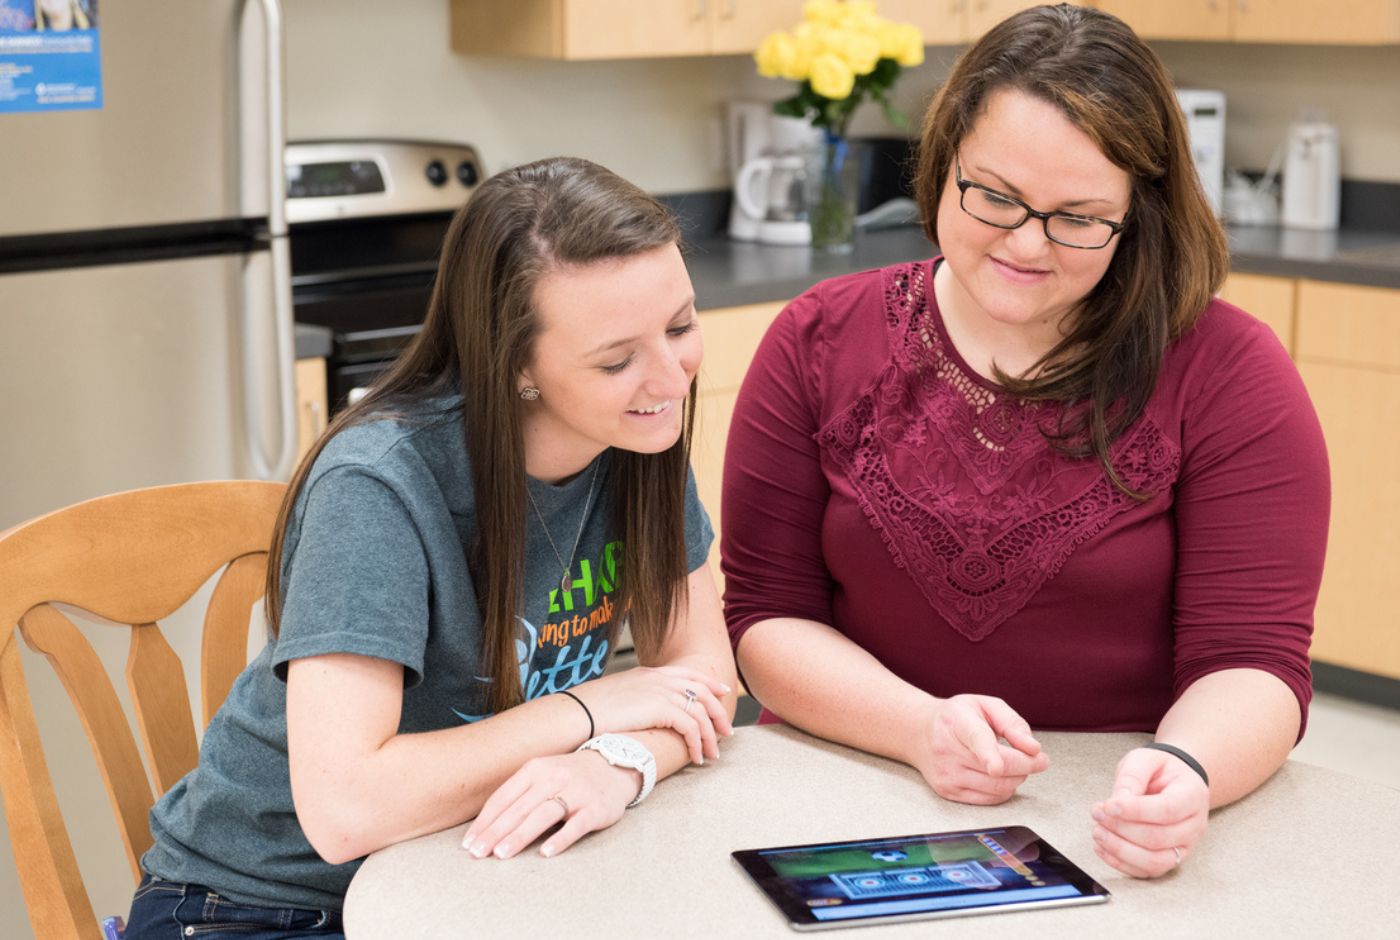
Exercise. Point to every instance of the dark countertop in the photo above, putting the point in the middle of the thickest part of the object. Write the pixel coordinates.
(730, 274)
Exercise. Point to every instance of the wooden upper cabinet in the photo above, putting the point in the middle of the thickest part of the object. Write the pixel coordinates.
(1180, 19)
(982, 15)
(738, 26)
(943, 22)
(1372, 22)
(617, 29)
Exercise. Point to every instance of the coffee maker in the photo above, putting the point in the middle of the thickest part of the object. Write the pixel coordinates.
(770, 157)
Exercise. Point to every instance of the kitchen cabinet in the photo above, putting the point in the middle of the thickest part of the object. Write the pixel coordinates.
(1362, 22)
(309, 379)
(1270, 299)
(732, 335)
(1349, 355)
(950, 22)
(617, 29)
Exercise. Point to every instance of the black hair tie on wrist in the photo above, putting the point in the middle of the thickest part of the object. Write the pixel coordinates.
(590, 720)
(1178, 753)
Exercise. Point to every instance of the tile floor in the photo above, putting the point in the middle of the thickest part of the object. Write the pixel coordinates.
(1352, 737)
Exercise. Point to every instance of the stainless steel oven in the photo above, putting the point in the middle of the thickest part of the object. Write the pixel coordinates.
(366, 221)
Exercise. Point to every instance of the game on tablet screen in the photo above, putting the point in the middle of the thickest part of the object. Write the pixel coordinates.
(919, 875)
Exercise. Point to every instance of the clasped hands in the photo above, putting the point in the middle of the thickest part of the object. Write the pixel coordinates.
(581, 789)
(976, 749)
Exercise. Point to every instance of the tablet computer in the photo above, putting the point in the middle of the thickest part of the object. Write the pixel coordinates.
(941, 874)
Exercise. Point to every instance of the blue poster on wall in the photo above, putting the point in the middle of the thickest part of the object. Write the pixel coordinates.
(50, 58)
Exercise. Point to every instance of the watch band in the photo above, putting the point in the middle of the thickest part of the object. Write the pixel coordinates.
(622, 751)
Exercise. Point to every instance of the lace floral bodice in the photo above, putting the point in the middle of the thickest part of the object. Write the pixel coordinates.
(959, 480)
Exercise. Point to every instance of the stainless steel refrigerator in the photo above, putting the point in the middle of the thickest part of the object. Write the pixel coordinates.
(145, 304)
(145, 318)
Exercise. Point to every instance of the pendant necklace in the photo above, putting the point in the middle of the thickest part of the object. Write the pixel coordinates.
(564, 579)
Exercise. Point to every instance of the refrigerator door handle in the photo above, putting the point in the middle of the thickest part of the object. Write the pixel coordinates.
(278, 464)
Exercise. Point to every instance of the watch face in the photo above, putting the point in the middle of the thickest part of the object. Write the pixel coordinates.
(624, 750)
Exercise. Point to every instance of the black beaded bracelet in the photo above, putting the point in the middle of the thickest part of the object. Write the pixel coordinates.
(590, 715)
(1177, 752)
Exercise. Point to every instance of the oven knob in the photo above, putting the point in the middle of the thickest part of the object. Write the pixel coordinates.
(467, 173)
(437, 173)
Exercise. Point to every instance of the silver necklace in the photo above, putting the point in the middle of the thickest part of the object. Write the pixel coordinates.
(564, 579)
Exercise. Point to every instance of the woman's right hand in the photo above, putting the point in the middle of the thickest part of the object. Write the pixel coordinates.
(961, 754)
(655, 697)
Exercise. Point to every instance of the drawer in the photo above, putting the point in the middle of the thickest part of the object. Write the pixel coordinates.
(1346, 324)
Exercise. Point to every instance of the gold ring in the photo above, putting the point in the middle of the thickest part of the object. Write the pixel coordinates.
(562, 802)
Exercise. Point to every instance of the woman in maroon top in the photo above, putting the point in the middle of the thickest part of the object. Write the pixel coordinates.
(1044, 479)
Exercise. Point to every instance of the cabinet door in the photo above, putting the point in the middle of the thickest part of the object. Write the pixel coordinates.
(1268, 298)
(312, 413)
(732, 334)
(622, 29)
(1370, 22)
(1358, 608)
(1180, 19)
(982, 15)
(738, 26)
(943, 22)
(1349, 355)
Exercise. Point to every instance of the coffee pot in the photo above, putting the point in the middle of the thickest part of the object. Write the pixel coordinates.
(770, 157)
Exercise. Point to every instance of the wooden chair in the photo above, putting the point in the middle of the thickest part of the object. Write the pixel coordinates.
(131, 558)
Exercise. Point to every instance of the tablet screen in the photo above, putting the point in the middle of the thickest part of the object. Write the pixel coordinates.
(942, 874)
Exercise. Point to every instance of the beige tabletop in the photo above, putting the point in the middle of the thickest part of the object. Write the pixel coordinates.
(1312, 853)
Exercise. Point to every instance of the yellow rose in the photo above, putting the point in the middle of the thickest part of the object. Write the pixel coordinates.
(859, 17)
(831, 77)
(860, 51)
(805, 48)
(775, 56)
(902, 42)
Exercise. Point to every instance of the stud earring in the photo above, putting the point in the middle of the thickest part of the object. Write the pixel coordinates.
(529, 393)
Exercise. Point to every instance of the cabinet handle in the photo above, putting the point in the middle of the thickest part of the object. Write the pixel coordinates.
(701, 8)
(731, 7)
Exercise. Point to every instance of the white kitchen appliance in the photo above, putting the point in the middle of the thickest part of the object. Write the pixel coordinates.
(1204, 110)
(1312, 181)
(769, 158)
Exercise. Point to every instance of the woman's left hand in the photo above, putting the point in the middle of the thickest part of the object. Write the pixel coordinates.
(1155, 817)
(581, 790)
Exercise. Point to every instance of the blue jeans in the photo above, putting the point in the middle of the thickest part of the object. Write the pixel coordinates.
(168, 910)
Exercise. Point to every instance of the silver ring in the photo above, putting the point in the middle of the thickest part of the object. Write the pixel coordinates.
(690, 697)
(562, 802)
(1178, 854)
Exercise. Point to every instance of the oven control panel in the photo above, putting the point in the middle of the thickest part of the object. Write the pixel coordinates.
(345, 179)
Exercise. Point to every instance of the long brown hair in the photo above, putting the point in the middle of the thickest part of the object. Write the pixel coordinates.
(477, 336)
(1172, 255)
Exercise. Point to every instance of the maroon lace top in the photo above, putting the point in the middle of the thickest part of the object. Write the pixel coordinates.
(873, 481)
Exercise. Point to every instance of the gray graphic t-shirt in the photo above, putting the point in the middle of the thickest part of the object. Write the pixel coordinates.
(375, 563)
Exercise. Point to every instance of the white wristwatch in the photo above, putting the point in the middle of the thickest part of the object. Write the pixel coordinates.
(622, 751)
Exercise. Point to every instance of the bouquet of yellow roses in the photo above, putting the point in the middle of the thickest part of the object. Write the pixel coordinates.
(842, 53)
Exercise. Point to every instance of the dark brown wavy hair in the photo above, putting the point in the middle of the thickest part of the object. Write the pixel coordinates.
(1172, 255)
(478, 334)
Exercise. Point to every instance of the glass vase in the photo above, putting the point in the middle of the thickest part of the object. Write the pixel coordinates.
(832, 202)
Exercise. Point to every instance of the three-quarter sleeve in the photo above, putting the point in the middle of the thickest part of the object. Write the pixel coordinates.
(775, 493)
(1251, 508)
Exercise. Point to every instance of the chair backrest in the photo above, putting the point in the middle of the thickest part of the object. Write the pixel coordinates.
(133, 559)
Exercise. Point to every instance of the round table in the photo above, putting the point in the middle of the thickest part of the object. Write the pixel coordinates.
(1309, 854)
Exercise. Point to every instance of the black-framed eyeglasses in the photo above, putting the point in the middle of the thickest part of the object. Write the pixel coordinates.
(1007, 212)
